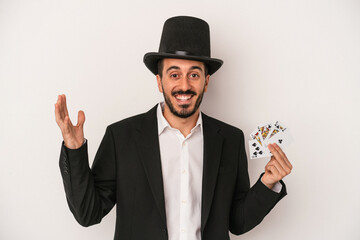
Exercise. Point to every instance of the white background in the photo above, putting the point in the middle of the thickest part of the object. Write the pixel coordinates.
(293, 61)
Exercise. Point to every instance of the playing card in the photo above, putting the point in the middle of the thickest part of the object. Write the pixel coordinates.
(265, 134)
(265, 130)
(282, 139)
(256, 135)
(277, 127)
(257, 150)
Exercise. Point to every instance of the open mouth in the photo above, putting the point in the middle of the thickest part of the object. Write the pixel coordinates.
(183, 97)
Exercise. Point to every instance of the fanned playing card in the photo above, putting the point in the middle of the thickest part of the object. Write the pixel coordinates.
(282, 139)
(265, 129)
(277, 128)
(256, 135)
(257, 150)
(268, 133)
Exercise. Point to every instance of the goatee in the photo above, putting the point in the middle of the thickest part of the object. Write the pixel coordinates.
(184, 112)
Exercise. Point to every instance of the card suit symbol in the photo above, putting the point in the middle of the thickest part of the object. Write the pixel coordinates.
(254, 144)
(257, 149)
(280, 141)
(255, 153)
(260, 152)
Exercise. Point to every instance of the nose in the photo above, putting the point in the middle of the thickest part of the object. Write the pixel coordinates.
(184, 83)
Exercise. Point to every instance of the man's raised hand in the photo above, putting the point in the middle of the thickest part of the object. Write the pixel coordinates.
(73, 135)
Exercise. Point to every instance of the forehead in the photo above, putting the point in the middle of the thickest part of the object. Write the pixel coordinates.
(181, 63)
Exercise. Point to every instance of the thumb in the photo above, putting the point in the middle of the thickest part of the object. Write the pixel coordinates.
(81, 118)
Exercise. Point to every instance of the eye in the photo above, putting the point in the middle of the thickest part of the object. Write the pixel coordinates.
(194, 75)
(174, 75)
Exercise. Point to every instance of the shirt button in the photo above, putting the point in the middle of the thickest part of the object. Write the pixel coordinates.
(183, 201)
(183, 172)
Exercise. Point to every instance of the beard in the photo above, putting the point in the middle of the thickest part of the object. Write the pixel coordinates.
(185, 112)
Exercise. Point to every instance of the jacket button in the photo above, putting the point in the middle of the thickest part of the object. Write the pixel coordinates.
(164, 230)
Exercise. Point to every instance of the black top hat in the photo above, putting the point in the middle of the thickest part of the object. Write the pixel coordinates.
(185, 38)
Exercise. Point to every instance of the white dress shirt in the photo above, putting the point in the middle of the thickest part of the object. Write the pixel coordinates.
(182, 166)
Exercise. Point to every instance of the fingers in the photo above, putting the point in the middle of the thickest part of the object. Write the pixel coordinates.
(64, 104)
(279, 160)
(63, 108)
(271, 169)
(59, 109)
(81, 119)
(283, 155)
(57, 112)
(61, 113)
(277, 169)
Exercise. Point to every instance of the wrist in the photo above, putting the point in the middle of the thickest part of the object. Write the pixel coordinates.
(73, 144)
(267, 184)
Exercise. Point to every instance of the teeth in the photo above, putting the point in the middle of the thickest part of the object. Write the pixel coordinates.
(183, 97)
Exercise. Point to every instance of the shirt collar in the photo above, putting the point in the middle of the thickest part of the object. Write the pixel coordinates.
(163, 123)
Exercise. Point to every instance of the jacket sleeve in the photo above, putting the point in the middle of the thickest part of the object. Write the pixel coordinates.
(90, 193)
(250, 205)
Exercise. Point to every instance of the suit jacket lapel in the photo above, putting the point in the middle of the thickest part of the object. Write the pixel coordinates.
(212, 154)
(148, 147)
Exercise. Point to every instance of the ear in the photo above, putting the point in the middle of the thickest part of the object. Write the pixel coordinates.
(158, 79)
(207, 79)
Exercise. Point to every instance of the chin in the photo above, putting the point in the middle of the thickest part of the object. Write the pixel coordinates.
(184, 112)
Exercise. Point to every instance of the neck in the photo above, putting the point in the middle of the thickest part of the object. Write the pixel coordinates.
(184, 125)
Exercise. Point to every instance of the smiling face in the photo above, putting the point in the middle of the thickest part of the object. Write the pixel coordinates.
(183, 84)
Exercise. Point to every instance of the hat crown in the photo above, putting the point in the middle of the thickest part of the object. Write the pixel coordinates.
(185, 35)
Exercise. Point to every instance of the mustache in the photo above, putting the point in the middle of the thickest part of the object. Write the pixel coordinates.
(183, 92)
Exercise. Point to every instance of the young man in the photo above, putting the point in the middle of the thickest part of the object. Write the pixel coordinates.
(173, 172)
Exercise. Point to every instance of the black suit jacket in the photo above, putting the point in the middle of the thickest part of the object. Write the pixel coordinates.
(127, 172)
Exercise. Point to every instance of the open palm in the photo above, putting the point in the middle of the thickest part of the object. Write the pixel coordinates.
(73, 135)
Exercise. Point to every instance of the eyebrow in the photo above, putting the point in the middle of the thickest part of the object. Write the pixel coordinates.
(196, 67)
(177, 68)
(172, 67)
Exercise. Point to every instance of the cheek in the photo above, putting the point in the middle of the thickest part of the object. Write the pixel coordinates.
(167, 87)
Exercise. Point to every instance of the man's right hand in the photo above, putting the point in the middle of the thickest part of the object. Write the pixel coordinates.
(73, 135)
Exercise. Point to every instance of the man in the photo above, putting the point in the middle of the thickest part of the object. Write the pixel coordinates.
(173, 172)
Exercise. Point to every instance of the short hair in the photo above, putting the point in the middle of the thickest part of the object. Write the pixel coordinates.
(160, 67)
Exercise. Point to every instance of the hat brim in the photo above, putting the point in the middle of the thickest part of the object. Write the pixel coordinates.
(151, 61)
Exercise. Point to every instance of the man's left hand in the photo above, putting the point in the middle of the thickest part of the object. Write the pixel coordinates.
(277, 168)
